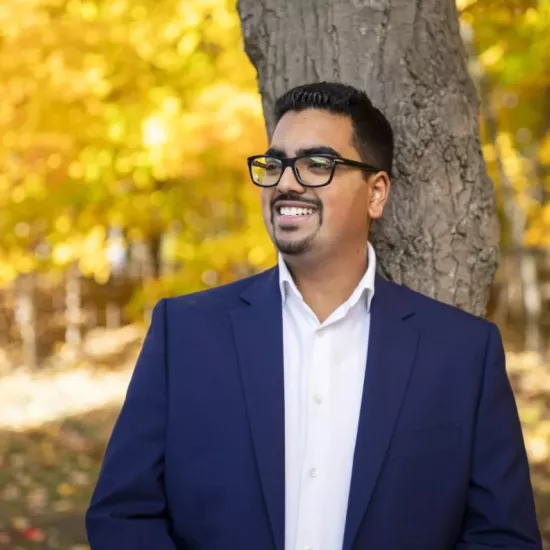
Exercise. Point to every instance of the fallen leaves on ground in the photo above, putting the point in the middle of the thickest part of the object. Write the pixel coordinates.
(46, 478)
(54, 425)
(48, 469)
(530, 378)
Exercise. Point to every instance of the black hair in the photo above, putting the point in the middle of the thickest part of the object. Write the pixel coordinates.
(372, 133)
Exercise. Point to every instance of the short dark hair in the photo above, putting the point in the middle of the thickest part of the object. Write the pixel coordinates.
(372, 133)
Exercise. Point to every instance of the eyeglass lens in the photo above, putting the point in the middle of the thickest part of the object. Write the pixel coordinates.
(312, 170)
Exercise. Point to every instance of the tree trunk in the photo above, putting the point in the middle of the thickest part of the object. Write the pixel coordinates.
(439, 234)
(532, 302)
(542, 171)
(150, 268)
(153, 259)
(113, 315)
(73, 305)
(4, 321)
(25, 316)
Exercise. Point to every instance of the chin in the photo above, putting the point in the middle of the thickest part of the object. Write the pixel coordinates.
(294, 247)
(290, 251)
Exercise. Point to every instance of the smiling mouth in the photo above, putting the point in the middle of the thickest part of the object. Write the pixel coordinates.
(294, 211)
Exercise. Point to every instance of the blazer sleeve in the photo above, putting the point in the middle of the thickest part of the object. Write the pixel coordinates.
(500, 509)
(128, 507)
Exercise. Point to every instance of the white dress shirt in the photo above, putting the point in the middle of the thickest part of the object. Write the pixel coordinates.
(324, 370)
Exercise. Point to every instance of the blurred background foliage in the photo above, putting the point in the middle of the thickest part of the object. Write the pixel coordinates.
(508, 46)
(127, 123)
(124, 129)
(512, 70)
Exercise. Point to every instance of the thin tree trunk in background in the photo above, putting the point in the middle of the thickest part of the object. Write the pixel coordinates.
(121, 262)
(150, 268)
(542, 172)
(152, 257)
(4, 323)
(439, 234)
(112, 315)
(25, 316)
(92, 316)
(58, 301)
(134, 261)
(73, 312)
(532, 302)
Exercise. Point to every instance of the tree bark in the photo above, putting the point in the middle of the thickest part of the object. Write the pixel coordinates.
(439, 234)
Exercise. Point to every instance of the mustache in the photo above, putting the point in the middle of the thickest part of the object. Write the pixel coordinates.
(296, 198)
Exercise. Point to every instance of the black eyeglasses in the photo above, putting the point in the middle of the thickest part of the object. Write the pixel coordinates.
(309, 170)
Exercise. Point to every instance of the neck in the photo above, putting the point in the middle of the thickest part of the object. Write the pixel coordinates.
(327, 284)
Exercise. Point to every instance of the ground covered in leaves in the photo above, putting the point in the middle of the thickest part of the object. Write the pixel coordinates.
(54, 426)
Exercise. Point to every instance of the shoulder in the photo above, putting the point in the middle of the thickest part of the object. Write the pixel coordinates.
(223, 297)
(439, 317)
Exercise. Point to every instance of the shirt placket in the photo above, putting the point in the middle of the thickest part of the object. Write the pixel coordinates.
(314, 468)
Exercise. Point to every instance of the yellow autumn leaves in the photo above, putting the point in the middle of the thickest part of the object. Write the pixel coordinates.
(132, 115)
(139, 116)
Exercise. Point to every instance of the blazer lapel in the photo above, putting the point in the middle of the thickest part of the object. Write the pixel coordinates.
(392, 349)
(258, 333)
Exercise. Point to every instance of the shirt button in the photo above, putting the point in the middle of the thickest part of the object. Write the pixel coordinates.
(318, 398)
(313, 472)
(320, 333)
(308, 548)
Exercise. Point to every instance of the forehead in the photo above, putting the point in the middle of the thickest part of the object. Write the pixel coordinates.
(313, 128)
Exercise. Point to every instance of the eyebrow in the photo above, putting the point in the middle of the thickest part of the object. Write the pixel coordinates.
(315, 150)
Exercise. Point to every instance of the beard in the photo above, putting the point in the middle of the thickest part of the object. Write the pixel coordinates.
(283, 238)
(285, 244)
(293, 247)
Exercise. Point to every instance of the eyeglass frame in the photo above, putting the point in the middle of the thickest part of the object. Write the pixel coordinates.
(291, 161)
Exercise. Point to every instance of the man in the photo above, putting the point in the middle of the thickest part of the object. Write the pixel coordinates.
(317, 406)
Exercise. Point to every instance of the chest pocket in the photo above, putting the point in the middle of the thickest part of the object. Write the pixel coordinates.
(424, 441)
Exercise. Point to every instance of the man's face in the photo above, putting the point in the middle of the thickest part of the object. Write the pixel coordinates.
(326, 218)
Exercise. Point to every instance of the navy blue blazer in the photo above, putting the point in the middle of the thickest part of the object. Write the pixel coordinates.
(196, 458)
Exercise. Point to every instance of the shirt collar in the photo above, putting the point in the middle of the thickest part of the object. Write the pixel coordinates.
(365, 286)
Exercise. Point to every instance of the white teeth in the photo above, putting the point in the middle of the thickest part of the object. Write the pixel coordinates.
(294, 211)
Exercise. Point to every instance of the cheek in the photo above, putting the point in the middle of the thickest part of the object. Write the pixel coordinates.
(337, 221)
(346, 211)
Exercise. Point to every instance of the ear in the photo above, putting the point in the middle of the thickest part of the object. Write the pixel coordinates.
(380, 191)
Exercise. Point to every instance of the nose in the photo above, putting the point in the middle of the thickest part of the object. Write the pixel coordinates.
(289, 183)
